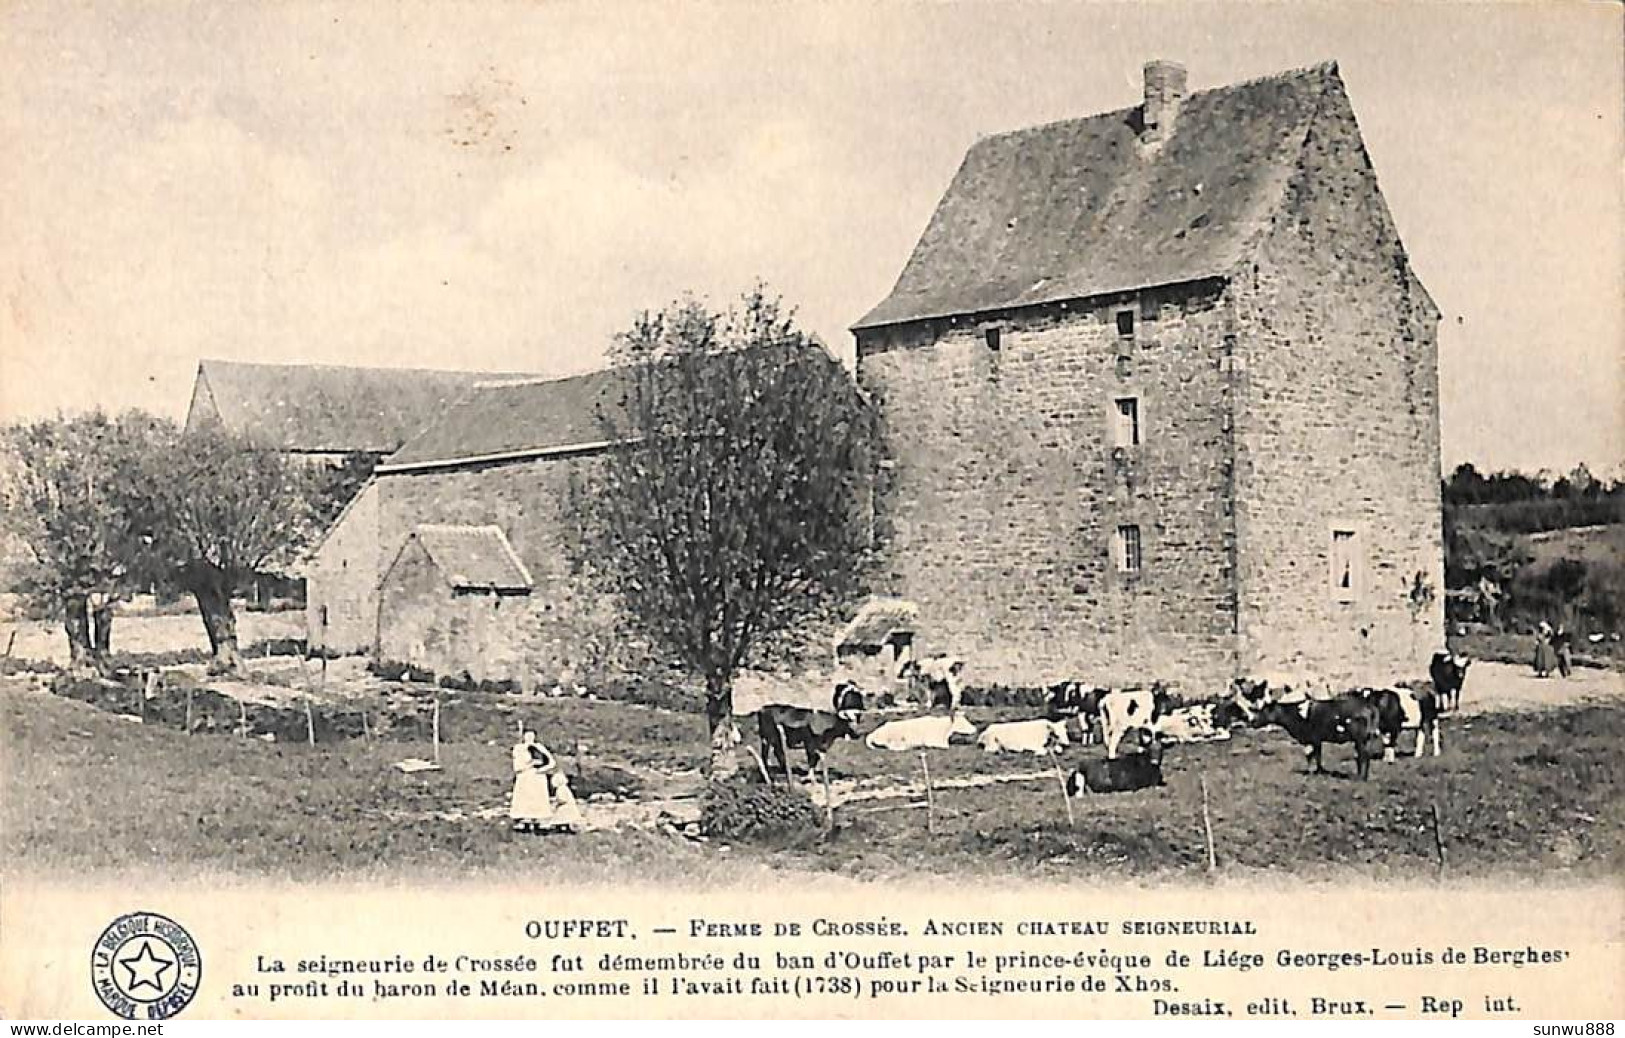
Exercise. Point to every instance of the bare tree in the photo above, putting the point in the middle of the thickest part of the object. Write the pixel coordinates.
(733, 506)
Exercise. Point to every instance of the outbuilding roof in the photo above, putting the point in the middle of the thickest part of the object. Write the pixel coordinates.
(473, 558)
(1084, 207)
(876, 622)
(319, 408)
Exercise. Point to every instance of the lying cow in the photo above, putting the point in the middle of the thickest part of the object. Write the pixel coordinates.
(938, 679)
(781, 727)
(932, 732)
(1399, 709)
(1206, 722)
(1449, 672)
(1138, 770)
(1347, 719)
(1073, 700)
(1120, 711)
(1038, 736)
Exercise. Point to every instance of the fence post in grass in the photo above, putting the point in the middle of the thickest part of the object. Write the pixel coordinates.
(366, 732)
(930, 799)
(436, 726)
(1438, 835)
(829, 799)
(578, 760)
(1071, 822)
(11, 640)
(188, 709)
(242, 719)
(1207, 829)
(310, 721)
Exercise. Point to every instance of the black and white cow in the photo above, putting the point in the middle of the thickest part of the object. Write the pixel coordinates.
(1399, 708)
(1449, 672)
(1140, 769)
(938, 679)
(1125, 709)
(1075, 701)
(782, 728)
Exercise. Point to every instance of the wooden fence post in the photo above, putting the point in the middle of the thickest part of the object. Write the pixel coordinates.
(436, 725)
(1207, 829)
(310, 721)
(930, 799)
(189, 709)
(1071, 822)
(242, 719)
(829, 799)
(1438, 835)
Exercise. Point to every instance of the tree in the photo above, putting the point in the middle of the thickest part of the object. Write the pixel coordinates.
(69, 492)
(222, 510)
(732, 507)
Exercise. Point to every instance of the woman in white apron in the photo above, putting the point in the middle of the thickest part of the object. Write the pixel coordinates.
(541, 794)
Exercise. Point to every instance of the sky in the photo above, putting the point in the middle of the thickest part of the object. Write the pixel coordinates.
(503, 185)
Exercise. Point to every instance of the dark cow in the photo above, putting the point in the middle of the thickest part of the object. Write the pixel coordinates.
(783, 727)
(1137, 770)
(1401, 708)
(1312, 722)
(1069, 700)
(1449, 673)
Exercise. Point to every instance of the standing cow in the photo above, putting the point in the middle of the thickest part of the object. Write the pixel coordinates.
(1349, 719)
(1449, 672)
(1122, 710)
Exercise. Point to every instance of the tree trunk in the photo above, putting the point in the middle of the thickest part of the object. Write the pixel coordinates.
(719, 710)
(101, 628)
(76, 622)
(214, 603)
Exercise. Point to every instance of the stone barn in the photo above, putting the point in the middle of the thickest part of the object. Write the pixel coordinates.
(876, 643)
(453, 601)
(1162, 395)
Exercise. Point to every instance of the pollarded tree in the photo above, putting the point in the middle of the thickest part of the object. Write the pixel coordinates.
(733, 505)
(223, 510)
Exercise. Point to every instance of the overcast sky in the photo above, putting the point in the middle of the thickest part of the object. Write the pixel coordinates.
(502, 185)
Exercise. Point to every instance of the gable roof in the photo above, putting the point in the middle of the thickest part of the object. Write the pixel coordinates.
(876, 621)
(515, 418)
(300, 407)
(473, 558)
(1083, 208)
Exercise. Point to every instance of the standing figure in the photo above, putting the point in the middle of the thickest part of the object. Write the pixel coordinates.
(1563, 648)
(1545, 655)
(531, 806)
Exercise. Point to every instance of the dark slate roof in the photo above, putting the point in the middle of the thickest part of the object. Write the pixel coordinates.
(877, 621)
(517, 417)
(473, 557)
(298, 407)
(1081, 208)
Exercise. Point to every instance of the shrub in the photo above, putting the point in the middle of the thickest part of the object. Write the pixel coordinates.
(751, 811)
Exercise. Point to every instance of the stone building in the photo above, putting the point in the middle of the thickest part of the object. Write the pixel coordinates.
(1162, 394)
(446, 602)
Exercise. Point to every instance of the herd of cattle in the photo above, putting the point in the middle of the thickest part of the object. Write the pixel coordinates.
(1133, 724)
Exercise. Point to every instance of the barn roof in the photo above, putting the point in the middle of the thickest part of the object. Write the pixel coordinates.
(876, 621)
(1082, 208)
(515, 417)
(301, 407)
(476, 558)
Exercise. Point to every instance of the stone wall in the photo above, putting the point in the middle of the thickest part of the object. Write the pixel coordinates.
(1338, 428)
(1003, 492)
(424, 622)
(341, 579)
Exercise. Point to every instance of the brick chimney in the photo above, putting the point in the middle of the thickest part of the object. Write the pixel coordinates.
(1164, 90)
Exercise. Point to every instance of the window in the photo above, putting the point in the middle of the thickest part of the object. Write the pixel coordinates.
(1345, 572)
(1128, 549)
(1125, 323)
(1126, 424)
(994, 337)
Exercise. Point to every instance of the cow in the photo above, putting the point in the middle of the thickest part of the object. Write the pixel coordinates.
(1073, 700)
(933, 731)
(1312, 722)
(1138, 770)
(1206, 722)
(781, 727)
(1449, 672)
(1400, 708)
(1038, 736)
(938, 680)
(1122, 710)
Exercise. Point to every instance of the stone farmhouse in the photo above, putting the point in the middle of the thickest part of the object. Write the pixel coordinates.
(1162, 393)
(324, 413)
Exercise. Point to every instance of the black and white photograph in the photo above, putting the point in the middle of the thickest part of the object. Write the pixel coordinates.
(862, 451)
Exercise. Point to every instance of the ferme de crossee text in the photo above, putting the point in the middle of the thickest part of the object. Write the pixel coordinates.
(703, 929)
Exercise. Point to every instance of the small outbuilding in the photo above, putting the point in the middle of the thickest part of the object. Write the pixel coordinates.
(455, 600)
(873, 647)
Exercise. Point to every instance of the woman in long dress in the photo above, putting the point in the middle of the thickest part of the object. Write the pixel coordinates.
(1545, 655)
(531, 807)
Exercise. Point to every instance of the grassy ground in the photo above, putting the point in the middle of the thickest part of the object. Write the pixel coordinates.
(85, 790)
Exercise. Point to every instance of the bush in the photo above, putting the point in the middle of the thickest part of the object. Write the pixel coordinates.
(748, 811)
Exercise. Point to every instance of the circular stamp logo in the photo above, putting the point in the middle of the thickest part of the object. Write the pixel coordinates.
(145, 967)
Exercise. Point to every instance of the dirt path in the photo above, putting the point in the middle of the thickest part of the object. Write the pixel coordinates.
(1504, 687)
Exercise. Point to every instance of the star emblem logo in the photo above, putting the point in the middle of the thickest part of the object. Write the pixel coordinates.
(146, 968)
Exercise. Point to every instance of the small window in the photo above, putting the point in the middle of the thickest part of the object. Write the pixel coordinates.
(995, 337)
(1125, 323)
(1128, 549)
(1126, 427)
(1345, 571)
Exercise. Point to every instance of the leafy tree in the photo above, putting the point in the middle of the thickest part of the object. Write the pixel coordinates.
(733, 509)
(222, 510)
(334, 487)
(70, 491)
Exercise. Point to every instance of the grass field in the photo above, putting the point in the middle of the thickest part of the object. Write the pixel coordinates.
(1518, 793)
